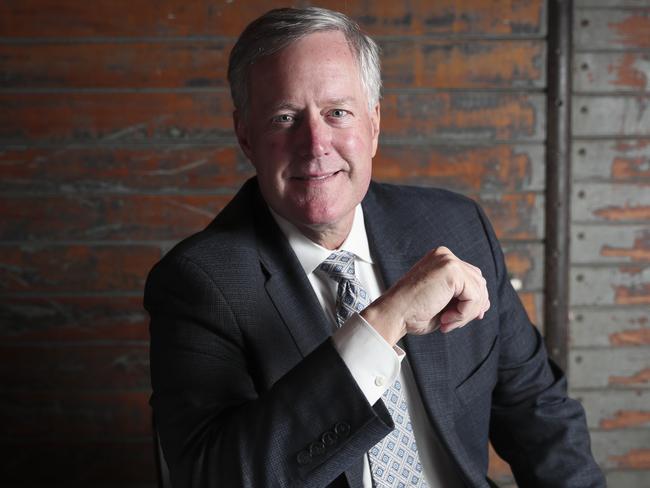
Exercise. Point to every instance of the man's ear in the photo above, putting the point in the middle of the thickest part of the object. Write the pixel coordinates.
(375, 119)
(239, 122)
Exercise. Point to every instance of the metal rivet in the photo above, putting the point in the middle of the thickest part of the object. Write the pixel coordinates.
(582, 151)
(580, 277)
(578, 359)
(580, 317)
(581, 235)
(584, 22)
(584, 110)
(584, 66)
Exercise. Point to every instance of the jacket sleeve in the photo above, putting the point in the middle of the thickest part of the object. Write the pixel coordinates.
(535, 426)
(216, 428)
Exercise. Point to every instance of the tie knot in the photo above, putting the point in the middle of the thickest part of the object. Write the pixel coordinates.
(339, 266)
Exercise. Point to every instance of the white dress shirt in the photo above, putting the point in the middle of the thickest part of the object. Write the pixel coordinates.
(374, 364)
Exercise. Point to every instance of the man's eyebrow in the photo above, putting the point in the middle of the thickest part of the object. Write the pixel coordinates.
(283, 106)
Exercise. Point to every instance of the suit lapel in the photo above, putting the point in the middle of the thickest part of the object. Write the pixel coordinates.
(288, 286)
(391, 246)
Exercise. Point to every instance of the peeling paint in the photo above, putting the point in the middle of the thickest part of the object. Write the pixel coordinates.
(638, 337)
(639, 378)
(626, 419)
(634, 459)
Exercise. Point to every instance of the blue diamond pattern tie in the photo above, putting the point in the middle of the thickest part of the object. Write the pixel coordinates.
(394, 460)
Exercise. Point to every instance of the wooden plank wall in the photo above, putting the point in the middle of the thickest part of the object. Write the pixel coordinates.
(116, 141)
(610, 271)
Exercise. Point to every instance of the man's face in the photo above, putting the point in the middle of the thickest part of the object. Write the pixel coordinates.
(309, 132)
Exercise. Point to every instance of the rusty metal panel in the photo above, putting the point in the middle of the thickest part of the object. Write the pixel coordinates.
(621, 285)
(624, 368)
(610, 3)
(71, 18)
(610, 327)
(525, 263)
(620, 161)
(611, 72)
(616, 409)
(610, 244)
(424, 63)
(193, 117)
(57, 319)
(617, 450)
(607, 116)
(161, 168)
(463, 116)
(515, 215)
(80, 415)
(183, 63)
(611, 29)
(88, 217)
(41, 268)
(406, 63)
(611, 203)
(476, 168)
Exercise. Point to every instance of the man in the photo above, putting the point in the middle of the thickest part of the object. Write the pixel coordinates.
(274, 332)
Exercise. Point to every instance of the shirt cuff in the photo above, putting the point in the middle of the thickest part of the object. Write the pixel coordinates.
(374, 364)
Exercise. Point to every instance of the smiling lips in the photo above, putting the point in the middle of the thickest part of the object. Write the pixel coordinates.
(319, 177)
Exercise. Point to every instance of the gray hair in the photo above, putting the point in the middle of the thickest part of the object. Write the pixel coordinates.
(279, 28)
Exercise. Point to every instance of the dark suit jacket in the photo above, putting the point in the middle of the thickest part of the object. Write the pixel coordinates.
(249, 390)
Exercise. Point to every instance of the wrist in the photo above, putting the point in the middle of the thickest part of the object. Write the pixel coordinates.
(385, 320)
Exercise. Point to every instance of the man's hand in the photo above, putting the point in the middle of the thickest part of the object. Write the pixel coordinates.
(439, 291)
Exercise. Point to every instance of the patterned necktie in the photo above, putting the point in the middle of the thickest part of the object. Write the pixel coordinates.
(394, 460)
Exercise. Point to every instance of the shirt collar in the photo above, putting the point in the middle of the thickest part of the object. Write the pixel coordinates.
(311, 255)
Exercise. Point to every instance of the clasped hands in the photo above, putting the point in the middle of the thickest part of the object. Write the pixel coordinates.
(440, 290)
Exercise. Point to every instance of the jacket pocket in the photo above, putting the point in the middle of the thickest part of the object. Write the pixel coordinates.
(482, 380)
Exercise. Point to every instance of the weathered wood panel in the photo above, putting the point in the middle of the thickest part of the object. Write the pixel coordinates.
(75, 463)
(119, 367)
(197, 117)
(610, 327)
(608, 116)
(56, 319)
(420, 63)
(69, 18)
(611, 29)
(616, 409)
(406, 63)
(623, 285)
(615, 451)
(463, 168)
(79, 415)
(611, 72)
(52, 268)
(166, 169)
(611, 161)
(106, 217)
(610, 203)
(626, 368)
(610, 244)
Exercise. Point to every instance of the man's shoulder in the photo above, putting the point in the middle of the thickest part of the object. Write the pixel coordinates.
(230, 234)
(410, 199)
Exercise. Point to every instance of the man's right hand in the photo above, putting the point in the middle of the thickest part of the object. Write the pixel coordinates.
(440, 290)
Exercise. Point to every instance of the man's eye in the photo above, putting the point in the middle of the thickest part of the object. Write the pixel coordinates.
(339, 113)
(283, 118)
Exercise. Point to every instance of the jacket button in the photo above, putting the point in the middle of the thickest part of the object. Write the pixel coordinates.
(329, 438)
(316, 448)
(342, 429)
(304, 458)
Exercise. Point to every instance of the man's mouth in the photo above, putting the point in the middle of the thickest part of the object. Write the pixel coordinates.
(316, 177)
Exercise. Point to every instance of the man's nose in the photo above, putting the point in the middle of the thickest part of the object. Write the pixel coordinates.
(316, 137)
